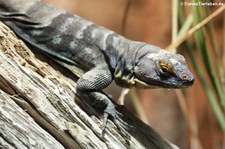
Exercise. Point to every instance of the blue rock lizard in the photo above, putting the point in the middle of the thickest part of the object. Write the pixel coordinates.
(101, 54)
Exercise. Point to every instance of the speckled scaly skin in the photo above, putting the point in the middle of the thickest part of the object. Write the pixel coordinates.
(102, 54)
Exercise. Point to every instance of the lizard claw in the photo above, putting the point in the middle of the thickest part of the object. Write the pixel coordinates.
(105, 120)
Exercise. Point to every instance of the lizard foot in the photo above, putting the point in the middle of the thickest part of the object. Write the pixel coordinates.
(111, 113)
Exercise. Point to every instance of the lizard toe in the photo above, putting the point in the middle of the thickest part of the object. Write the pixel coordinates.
(111, 113)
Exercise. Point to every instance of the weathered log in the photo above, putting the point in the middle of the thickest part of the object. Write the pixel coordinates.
(39, 107)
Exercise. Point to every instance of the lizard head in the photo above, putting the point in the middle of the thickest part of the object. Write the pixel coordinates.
(161, 69)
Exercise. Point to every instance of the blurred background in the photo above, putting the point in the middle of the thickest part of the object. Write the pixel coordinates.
(192, 118)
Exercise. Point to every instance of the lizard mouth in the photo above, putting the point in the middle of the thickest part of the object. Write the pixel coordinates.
(156, 84)
(188, 83)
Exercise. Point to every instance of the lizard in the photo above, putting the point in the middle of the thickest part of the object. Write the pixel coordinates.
(101, 54)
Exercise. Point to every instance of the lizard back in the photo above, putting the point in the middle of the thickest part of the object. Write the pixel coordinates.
(61, 35)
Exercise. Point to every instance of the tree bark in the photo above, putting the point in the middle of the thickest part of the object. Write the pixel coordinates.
(39, 107)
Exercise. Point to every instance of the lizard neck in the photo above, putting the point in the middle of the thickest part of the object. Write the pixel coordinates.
(126, 52)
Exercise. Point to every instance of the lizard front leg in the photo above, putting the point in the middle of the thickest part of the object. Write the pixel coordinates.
(89, 87)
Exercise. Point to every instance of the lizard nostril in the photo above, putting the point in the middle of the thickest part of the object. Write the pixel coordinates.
(184, 77)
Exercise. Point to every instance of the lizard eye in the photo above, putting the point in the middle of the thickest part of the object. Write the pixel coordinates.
(165, 68)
